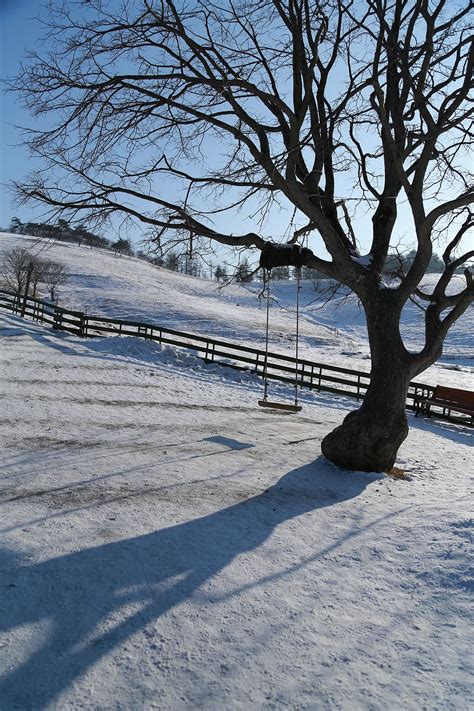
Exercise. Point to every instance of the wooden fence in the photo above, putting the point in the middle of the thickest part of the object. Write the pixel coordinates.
(310, 374)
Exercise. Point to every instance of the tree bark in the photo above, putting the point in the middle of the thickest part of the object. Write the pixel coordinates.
(369, 438)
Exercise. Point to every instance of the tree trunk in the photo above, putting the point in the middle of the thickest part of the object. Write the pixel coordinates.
(369, 438)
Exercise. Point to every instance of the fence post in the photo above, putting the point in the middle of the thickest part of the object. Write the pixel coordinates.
(302, 375)
(57, 319)
(29, 272)
(38, 311)
(83, 325)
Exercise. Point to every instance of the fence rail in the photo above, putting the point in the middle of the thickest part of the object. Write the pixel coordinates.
(279, 367)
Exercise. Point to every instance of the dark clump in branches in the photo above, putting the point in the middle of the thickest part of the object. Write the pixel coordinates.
(355, 117)
(280, 255)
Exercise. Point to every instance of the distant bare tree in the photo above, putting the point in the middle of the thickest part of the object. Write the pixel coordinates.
(342, 109)
(54, 275)
(16, 225)
(220, 273)
(15, 265)
(243, 272)
(281, 273)
(122, 246)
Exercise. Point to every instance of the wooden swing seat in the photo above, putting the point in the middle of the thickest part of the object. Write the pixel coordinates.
(279, 406)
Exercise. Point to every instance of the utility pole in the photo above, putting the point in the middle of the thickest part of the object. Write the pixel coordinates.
(29, 271)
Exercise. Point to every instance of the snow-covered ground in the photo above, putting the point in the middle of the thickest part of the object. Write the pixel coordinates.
(167, 544)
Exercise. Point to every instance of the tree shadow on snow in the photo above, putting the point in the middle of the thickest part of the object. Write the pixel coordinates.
(83, 596)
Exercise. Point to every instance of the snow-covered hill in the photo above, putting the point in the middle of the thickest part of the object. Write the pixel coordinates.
(330, 331)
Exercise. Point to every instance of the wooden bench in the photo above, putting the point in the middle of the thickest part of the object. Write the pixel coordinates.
(448, 399)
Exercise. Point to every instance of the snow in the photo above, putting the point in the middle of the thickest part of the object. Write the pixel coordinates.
(167, 544)
(365, 260)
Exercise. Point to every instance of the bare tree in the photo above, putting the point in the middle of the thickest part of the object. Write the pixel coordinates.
(122, 246)
(16, 263)
(37, 274)
(243, 272)
(54, 275)
(220, 273)
(345, 111)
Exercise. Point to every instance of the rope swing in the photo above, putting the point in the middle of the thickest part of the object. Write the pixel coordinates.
(274, 255)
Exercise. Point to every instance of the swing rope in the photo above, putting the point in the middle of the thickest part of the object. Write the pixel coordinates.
(264, 402)
(298, 279)
(266, 279)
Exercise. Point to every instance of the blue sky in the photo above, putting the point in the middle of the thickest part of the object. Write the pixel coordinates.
(19, 31)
